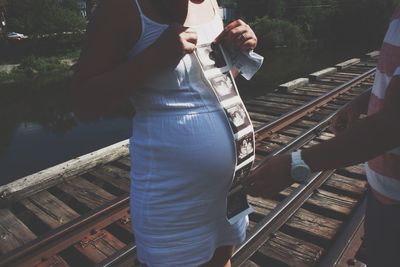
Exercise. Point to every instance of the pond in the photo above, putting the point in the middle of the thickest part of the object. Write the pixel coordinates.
(39, 130)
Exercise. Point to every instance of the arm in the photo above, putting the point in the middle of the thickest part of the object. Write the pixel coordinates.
(366, 139)
(350, 113)
(105, 77)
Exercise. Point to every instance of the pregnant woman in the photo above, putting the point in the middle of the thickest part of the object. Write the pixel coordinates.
(182, 149)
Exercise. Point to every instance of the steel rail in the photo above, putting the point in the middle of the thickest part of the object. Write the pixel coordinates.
(55, 241)
(282, 212)
(311, 106)
(343, 241)
(120, 257)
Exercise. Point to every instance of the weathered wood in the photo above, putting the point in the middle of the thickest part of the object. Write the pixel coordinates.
(99, 246)
(294, 84)
(316, 75)
(13, 233)
(357, 169)
(353, 246)
(304, 124)
(257, 125)
(249, 264)
(347, 75)
(49, 177)
(269, 105)
(267, 147)
(124, 224)
(49, 209)
(291, 251)
(373, 54)
(86, 192)
(327, 200)
(116, 176)
(280, 138)
(303, 220)
(284, 99)
(347, 184)
(347, 63)
(275, 111)
(55, 261)
(126, 161)
(288, 95)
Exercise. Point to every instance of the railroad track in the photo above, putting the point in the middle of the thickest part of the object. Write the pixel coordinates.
(77, 213)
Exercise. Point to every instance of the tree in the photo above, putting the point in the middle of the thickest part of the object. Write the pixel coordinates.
(251, 9)
(44, 16)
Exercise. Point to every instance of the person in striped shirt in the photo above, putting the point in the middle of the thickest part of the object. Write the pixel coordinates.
(374, 138)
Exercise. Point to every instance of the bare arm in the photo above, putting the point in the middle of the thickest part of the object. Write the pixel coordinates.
(105, 76)
(367, 138)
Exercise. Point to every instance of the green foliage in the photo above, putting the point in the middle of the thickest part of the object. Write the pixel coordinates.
(36, 73)
(362, 20)
(39, 65)
(44, 16)
(250, 9)
(323, 20)
(277, 32)
(227, 3)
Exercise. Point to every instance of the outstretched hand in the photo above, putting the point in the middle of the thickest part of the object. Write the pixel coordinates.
(346, 117)
(270, 178)
(239, 33)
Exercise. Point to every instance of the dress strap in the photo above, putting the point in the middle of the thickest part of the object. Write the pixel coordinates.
(139, 8)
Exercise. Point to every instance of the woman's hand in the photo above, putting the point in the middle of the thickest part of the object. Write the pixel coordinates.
(176, 42)
(239, 33)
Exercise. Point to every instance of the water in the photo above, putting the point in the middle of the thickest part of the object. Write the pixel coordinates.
(39, 130)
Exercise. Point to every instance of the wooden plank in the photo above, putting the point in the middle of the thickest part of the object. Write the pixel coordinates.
(291, 251)
(303, 220)
(13, 233)
(285, 99)
(55, 261)
(125, 223)
(49, 209)
(257, 125)
(249, 263)
(357, 169)
(347, 63)
(353, 246)
(99, 246)
(49, 177)
(288, 95)
(118, 177)
(86, 192)
(294, 84)
(316, 75)
(350, 185)
(327, 200)
(373, 54)
(267, 147)
(126, 161)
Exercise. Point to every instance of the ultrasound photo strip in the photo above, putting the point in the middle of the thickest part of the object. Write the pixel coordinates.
(217, 75)
(223, 86)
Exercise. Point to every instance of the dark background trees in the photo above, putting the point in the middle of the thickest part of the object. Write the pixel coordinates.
(291, 22)
(44, 16)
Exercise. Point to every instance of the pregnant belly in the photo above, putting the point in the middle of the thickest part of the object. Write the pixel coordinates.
(181, 158)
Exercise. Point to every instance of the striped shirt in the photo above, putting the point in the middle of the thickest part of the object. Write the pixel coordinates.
(383, 172)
